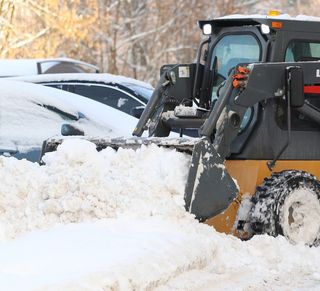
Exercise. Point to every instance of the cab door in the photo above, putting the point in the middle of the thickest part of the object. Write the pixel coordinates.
(233, 46)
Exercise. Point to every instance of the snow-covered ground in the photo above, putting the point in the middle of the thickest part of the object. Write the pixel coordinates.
(111, 220)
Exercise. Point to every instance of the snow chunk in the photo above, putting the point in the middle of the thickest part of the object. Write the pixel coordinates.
(121, 102)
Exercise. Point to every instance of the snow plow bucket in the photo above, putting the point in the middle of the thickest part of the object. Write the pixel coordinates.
(210, 189)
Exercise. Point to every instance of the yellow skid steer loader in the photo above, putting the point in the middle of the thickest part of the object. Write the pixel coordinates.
(253, 100)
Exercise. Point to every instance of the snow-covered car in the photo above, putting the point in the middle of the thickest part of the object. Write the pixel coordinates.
(26, 67)
(31, 113)
(126, 94)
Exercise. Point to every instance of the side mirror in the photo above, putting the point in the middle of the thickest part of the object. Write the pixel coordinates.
(295, 86)
(69, 129)
(137, 111)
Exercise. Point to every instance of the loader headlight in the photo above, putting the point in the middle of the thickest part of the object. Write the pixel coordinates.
(265, 29)
(207, 29)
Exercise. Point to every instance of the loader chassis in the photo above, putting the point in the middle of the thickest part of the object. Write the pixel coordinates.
(266, 138)
(257, 114)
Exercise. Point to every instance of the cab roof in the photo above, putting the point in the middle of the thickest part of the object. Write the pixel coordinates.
(289, 23)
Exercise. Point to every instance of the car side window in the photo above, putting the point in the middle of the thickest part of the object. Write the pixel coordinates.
(65, 87)
(57, 86)
(109, 96)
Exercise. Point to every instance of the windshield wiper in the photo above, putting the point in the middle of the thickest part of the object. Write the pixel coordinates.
(63, 114)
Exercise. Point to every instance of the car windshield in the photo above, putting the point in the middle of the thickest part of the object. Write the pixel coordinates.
(230, 51)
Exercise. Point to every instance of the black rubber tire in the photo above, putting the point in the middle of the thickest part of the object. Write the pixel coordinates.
(268, 213)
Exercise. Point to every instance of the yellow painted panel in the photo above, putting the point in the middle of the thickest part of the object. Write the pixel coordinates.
(250, 174)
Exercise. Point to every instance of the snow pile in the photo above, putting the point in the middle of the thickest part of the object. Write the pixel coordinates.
(78, 184)
(129, 230)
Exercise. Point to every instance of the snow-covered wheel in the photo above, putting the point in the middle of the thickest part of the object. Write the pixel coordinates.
(288, 203)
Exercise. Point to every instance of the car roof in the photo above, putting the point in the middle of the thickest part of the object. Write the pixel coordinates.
(25, 67)
(289, 23)
(84, 77)
(139, 89)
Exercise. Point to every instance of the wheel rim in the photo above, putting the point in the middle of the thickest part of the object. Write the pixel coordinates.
(300, 216)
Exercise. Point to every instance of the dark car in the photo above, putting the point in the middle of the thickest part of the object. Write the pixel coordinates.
(31, 113)
(125, 94)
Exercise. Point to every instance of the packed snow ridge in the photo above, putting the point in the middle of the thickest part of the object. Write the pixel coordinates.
(109, 220)
(79, 184)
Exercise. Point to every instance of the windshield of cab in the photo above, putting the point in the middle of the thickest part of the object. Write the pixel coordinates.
(229, 51)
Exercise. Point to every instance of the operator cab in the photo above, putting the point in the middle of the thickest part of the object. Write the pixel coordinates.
(239, 39)
(277, 38)
(230, 41)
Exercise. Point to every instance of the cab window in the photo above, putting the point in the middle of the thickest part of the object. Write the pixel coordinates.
(229, 52)
(302, 51)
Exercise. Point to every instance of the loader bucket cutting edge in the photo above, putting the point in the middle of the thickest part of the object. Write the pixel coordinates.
(210, 189)
(180, 144)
